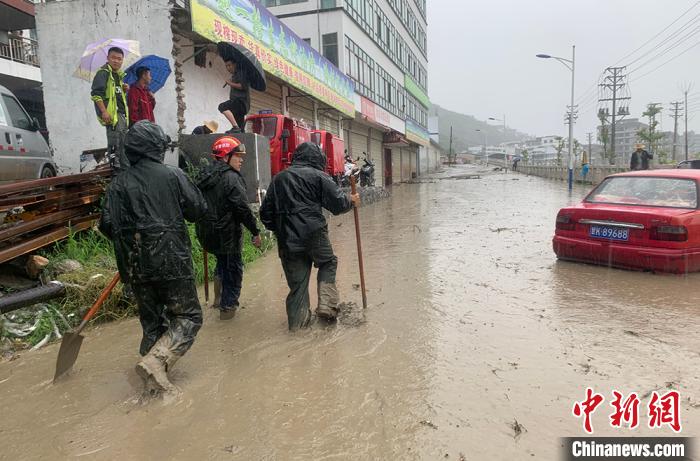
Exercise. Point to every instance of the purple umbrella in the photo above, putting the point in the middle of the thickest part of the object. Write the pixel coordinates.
(95, 56)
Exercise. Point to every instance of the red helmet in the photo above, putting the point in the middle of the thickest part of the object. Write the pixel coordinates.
(224, 145)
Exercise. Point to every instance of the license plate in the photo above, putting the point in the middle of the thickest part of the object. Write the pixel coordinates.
(609, 233)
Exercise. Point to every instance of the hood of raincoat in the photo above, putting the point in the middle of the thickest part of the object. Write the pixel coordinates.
(145, 140)
(309, 154)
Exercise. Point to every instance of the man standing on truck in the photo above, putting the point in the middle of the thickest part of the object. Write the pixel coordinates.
(144, 215)
(109, 95)
(292, 209)
(238, 104)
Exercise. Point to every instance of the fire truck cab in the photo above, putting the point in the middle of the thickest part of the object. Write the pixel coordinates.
(285, 135)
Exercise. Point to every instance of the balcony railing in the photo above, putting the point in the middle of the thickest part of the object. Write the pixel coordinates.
(20, 49)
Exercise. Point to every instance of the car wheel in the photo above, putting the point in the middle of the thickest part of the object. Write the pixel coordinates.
(47, 172)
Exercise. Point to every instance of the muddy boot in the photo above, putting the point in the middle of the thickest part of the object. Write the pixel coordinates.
(228, 313)
(217, 293)
(153, 368)
(327, 301)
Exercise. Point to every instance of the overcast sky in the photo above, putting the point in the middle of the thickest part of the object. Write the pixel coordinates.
(482, 60)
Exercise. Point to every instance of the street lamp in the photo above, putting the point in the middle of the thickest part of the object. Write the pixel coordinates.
(505, 160)
(485, 147)
(571, 65)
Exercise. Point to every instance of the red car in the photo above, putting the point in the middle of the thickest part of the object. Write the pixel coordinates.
(642, 220)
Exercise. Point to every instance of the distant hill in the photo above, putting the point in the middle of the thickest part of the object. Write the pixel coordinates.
(464, 132)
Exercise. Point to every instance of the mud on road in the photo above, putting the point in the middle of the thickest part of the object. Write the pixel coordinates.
(476, 344)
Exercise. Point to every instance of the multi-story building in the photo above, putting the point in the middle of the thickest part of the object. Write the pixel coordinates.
(19, 62)
(626, 136)
(382, 46)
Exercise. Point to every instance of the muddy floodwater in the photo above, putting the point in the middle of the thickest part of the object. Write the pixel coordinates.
(475, 346)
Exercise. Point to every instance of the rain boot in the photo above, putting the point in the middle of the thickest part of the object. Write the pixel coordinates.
(227, 313)
(217, 293)
(153, 368)
(327, 301)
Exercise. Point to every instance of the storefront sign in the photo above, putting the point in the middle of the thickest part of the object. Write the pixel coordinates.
(280, 51)
(375, 113)
(416, 133)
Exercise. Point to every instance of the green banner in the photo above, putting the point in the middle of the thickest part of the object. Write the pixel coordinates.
(413, 88)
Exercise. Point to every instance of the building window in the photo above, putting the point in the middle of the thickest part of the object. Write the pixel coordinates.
(326, 4)
(307, 40)
(330, 47)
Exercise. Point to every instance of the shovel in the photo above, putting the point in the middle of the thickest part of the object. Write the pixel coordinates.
(70, 346)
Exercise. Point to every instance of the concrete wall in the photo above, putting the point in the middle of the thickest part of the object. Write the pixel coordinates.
(595, 174)
(64, 29)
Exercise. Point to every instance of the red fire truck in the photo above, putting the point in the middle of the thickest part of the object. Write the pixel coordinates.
(284, 133)
(334, 148)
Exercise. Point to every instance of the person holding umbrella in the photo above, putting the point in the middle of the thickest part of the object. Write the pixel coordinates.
(140, 99)
(109, 96)
(246, 73)
(238, 104)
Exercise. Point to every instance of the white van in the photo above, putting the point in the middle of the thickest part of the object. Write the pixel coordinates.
(24, 153)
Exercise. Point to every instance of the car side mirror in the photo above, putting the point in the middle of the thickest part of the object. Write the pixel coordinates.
(35, 124)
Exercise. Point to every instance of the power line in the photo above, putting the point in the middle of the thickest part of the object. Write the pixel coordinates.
(662, 31)
(666, 62)
(675, 44)
(674, 35)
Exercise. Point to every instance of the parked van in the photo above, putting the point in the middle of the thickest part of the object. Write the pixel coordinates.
(24, 153)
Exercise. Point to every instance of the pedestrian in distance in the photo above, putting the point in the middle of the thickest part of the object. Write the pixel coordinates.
(220, 232)
(640, 158)
(208, 127)
(144, 214)
(292, 209)
(109, 96)
(141, 100)
(238, 104)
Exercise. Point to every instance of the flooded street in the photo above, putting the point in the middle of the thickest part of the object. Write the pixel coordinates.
(476, 343)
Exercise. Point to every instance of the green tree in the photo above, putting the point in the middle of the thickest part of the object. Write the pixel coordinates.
(525, 155)
(559, 148)
(649, 135)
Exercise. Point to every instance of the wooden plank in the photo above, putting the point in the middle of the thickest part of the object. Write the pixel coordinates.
(24, 186)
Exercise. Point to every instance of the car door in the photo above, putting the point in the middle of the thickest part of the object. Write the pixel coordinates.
(9, 165)
(31, 151)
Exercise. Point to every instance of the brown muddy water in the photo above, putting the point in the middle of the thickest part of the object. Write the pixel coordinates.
(475, 346)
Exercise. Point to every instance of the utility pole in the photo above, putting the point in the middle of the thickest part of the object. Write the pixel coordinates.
(685, 94)
(590, 148)
(676, 114)
(450, 160)
(614, 82)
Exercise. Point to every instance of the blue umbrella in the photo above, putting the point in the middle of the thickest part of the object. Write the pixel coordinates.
(159, 67)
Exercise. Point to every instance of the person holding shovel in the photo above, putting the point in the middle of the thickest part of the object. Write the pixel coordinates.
(220, 233)
(292, 209)
(144, 215)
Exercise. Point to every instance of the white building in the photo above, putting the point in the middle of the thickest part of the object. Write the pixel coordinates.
(19, 62)
(381, 45)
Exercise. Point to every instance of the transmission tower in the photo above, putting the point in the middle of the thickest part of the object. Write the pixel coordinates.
(676, 113)
(615, 90)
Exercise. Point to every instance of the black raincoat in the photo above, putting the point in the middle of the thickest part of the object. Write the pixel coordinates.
(225, 192)
(292, 208)
(145, 209)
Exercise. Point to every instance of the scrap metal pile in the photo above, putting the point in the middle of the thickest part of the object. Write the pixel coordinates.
(36, 213)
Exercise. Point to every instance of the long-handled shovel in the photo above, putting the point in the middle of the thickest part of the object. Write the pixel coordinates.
(70, 346)
(353, 188)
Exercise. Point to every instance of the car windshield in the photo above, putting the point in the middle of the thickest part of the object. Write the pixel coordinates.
(265, 126)
(646, 191)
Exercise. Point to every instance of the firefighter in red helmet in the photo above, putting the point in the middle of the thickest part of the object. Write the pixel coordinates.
(221, 232)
